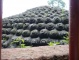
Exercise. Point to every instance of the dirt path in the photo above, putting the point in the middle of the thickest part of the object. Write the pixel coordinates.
(36, 53)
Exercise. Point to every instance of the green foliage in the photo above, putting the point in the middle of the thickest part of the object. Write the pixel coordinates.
(66, 39)
(63, 11)
(22, 46)
(53, 43)
(59, 3)
(20, 40)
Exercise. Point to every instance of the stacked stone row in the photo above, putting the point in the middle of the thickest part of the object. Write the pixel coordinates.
(36, 26)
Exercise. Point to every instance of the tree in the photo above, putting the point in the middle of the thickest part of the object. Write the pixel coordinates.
(58, 3)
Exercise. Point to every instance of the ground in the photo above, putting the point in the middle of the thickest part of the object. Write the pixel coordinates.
(59, 52)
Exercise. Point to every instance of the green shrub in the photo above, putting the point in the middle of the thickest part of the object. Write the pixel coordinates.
(53, 43)
(65, 40)
(23, 46)
(19, 42)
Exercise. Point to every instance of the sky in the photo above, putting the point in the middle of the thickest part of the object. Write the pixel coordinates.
(13, 7)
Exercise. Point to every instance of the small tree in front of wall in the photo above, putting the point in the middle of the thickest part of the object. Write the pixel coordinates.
(57, 3)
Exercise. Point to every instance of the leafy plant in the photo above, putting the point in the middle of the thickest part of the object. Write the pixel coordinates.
(53, 43)
(66, 39)
(22, 46)
(59, 3)
(20, 41)
(63, 11)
